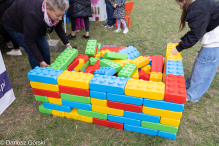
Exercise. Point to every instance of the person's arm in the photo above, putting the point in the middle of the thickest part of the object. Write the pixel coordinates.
(61, 33)
(198, 22)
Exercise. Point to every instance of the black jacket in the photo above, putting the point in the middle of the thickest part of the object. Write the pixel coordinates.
(4, 5)
(79, 9)
(26, 17)
(202, 16)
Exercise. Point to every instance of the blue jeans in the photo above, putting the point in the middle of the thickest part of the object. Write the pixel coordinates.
(203, 72)
(109, 11)
(41, 42)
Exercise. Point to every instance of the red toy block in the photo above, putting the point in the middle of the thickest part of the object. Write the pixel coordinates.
(157, 63)
(124, 106)
(74, 91)
(143, 75)
(175, 89)
(46, 93)
(75, 62)
(150, 57)
(108, 123)
(112, 48)
(91, 69)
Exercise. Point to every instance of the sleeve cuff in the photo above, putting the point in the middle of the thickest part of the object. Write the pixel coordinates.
(179, 48)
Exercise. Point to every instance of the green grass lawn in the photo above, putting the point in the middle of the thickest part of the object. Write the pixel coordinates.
(154, 24)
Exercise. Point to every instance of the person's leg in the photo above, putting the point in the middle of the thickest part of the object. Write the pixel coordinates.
(73, 27)
(15, 44)
(43, 46)
(77, 25)
(205, 68)
(19, 38)
(87, 23)
(125, 26)
(82, 23)
(118, 26)
(109, 10)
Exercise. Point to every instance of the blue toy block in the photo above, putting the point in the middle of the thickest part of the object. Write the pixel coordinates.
(162, 104)
(124, 120)
(150, 62)
(167, 135)
(57, 107)
(174, 67)
(101, 58)
(98, 95)
(110, 71)
(131, 52)
(140, 130)
(109, 84)
(139, 69)
(44, 75)
(125, 99)
(108, 46)
(77, 105)
(142, 116)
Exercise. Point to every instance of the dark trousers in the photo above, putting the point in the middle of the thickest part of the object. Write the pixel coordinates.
(74, 22)
(42, 45)
(109, 11)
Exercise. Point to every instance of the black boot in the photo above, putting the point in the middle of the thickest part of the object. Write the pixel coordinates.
(86, 37)
(70, 37)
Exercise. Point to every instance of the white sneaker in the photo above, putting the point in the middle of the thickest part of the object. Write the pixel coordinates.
(117, 31)
(13, 52)
(126, 30)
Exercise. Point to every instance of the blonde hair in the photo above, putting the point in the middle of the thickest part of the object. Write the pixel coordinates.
(59, 4)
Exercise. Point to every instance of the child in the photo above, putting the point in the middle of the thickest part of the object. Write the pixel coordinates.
(109, 11)
(203, 19)
(119, 13)
(80, 24)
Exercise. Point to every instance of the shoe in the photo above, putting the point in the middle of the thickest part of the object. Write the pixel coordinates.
(105, 25)
(13, 52)
(117, 31)
(9, 45)
(126, 30)
(77, 30)
(86, 37)
(82, 29)
(109, 26)
(70, 37)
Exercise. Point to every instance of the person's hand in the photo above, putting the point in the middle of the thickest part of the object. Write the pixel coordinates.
(43, 64)
(114, 6)
(178, 42)
(69, 46)
(174, 51)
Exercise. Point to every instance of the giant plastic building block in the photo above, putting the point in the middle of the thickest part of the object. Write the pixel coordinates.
(75, 79)
(92, 114)
(44, 75)
(107, 110)
(93, 60)
(44, 110)
(156, 76)
(77, 105)
(169, 49)
(46, 93)
(57, 107)
(91, 48)
(124, 120)
(74, 115)
(110, 63)
(136, 75)
(125, 99)
(157, 64)
(145, 89)
(58, 113)
(74, 63)
(114, 56)
(91, 69)
(75, 91)
(146, 69)
(128, 70)
(84, 66)
(99, 46)
(99, 102)
(57, 101)
(140, 61)
(167, 135)
(174, 67)
(104, 83)
(78, 67)
(170, 122)
(103, 52)
(110, 71)
(142, 116)
(122, 62)
(143, 75)
(75, 98)
(112, 48)
(108, 123)
(140, 129)
(98, 95)
(41, 98)
(44, 86)
(131, 52)
(175, 89)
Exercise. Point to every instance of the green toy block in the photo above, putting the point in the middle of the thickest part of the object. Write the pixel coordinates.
(41, 98)
(44, 110)
(110, 63)
(92, 114)
(158, 126)
(128, 70)
(75, 98)
(115, 56)
(68, 55)
(59, 64)
(84, 66)
(93, 60)
(99, 47)
(91, 47)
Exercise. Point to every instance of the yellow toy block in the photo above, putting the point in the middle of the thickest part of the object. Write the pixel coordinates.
(55, 100)
(103, 52)
(170, 122)
(146, 69)
(174, 57)
(74, 115)
(81, 63)
(99, 102)
(122, 62)
(170, 47)
(97, 55)
(136, 75)
(162, 113)
(145, 89)
(44, 86)
(75, 79)
(107, 110)
(58, 113)
(156, 76)
(140, 61)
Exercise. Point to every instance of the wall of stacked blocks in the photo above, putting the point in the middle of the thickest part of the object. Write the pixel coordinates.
(115, 87)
